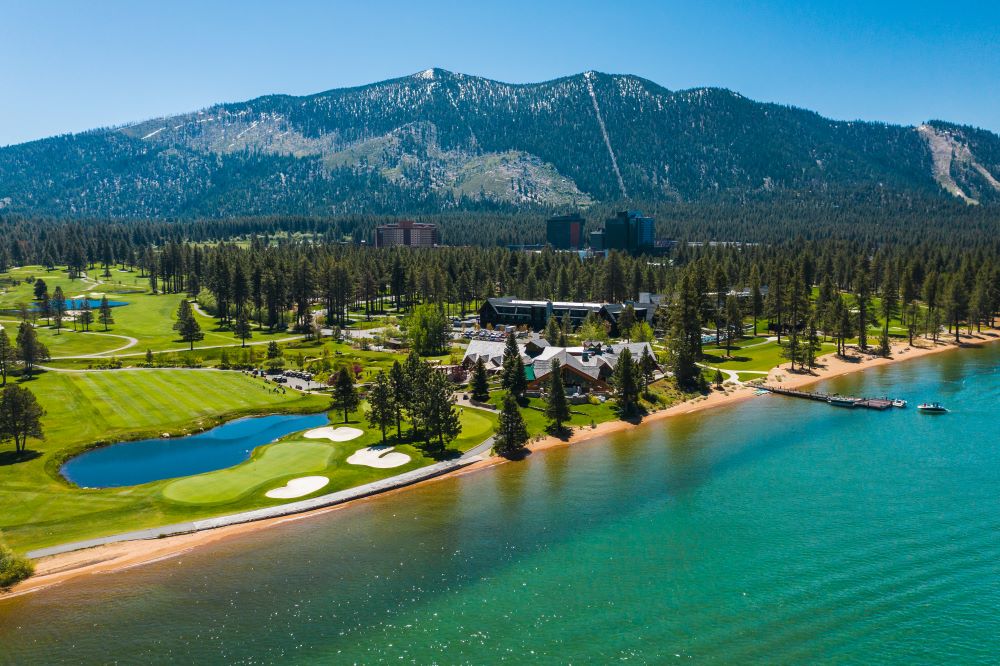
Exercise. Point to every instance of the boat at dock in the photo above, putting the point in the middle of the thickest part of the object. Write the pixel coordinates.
(932, 408)
(843, 401)
(899, 403)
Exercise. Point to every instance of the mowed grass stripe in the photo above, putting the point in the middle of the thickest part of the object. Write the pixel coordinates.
(146, 407)
(121, 390)
(185, 399)
(107, 403)
(226, 393)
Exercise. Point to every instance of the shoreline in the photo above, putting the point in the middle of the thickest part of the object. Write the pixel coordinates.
(110, 558)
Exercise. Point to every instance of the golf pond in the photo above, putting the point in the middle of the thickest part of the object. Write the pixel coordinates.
(147, 460)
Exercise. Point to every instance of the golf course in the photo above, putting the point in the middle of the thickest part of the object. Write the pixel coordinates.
(98, 388)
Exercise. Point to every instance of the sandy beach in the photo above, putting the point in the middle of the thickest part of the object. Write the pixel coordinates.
(120, 556)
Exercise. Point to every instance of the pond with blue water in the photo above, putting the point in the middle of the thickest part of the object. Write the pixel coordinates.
(143, 461)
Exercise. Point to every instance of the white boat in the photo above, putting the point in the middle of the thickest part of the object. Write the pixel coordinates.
(899, 403)
(932, 408)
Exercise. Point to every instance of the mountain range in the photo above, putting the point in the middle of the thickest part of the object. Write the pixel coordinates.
(438, 140)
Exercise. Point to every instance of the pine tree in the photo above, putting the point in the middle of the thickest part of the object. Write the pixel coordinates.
(86, 314)
(626, 383)
(889, 306)
(242, 328)
(184, 313)
(552, 331)
(104, 314)
(734, 322)
(513, 378)
(30, 351)
(512, 433)
(381, 410)
(813, 345)
(45, 307)
(912, 320)
(438, 413)
(647, 368)
(862, 298)
(8, 355)
(345, 394)
(400, 395)
(417, 375)
(684, 336)
(191, 331)
(957, 304)
(756, 298)
(479, 385)
(557, 407)
(58, 308)
(20, 416)
(626, 320)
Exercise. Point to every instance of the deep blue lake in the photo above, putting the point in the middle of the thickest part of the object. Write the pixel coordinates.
(142, 461)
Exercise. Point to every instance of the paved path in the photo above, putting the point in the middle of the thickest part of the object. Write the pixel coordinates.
(367, 490)
(131, 342)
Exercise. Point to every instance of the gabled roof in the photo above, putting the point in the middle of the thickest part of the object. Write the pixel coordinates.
(489, 350)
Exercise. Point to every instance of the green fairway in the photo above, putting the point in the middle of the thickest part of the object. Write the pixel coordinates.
(100, 405)
(290, 458)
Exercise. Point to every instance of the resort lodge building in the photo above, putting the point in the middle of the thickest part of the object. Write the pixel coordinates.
(585, 369)
(508, 311)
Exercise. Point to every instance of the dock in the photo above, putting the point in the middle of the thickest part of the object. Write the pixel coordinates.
(835, 400)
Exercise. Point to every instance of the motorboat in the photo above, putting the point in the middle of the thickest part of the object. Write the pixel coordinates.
(898, 402)
(932, 408)
(842, 401)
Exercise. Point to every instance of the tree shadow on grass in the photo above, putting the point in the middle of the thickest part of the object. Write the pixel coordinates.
(15, 457)
(440, 455)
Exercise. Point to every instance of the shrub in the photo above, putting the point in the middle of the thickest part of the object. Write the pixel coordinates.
(13, 567)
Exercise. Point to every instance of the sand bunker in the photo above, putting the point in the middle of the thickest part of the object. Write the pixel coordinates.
(342, 434)
(298, 487)
(382, 457)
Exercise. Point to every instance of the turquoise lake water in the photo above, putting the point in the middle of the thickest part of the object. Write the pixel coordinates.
(774, 531)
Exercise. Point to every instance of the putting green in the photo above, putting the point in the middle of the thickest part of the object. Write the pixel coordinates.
(276, 461)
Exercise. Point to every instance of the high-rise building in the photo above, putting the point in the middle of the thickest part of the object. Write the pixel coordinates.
(629, 231)
(565, 232)
(406, 232)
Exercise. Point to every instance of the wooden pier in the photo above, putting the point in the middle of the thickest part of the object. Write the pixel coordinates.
(835, 400)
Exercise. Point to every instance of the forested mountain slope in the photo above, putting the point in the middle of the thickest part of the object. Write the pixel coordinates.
(440, 141)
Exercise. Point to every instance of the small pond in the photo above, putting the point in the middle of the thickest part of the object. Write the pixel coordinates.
(142, 461)
(94, 303)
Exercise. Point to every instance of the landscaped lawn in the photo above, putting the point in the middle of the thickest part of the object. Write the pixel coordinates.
(533, 412)
(753, 354)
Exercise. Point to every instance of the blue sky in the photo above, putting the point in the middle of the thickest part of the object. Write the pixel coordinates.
(70, 66)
